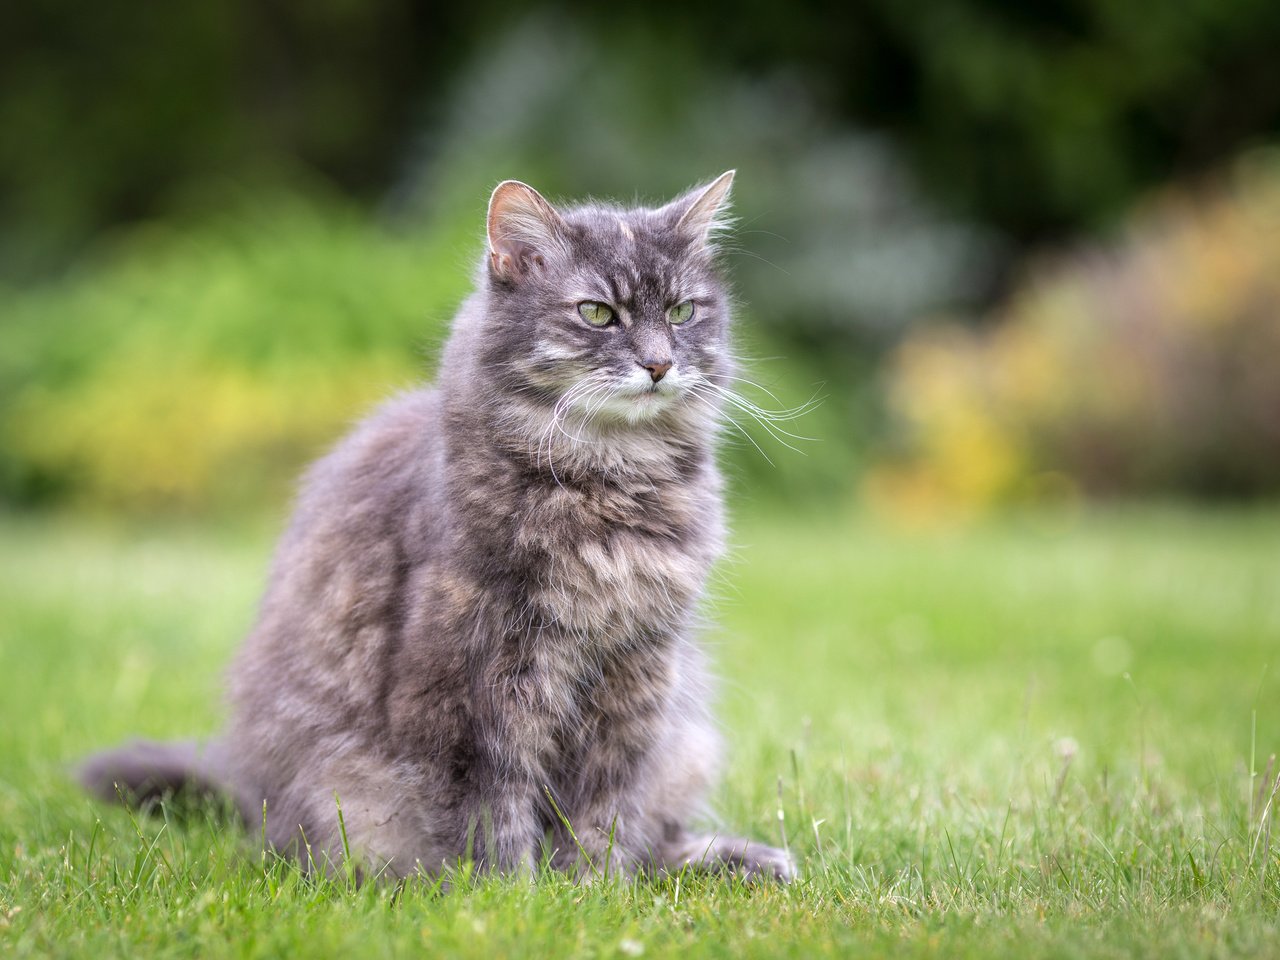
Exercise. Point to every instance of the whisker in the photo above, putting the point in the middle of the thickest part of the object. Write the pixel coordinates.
(765, 418)
(590, 404)
(772, 416)
(695, 394)
(787, 413)
(557, 413)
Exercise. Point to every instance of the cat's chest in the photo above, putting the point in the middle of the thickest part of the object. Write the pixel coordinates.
(616, 565)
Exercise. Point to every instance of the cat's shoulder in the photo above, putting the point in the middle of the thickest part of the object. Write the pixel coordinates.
(397, 428)
(386, 452)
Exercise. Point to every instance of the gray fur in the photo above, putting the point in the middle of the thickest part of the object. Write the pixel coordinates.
(480, 622)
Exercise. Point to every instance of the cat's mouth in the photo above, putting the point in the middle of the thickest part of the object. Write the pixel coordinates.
(650, 394)
(631, 403)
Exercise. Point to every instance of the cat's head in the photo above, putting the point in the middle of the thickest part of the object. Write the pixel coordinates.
(617, 315)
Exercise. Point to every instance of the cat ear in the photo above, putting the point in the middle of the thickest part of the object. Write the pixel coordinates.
(523, 230)
(704, 211)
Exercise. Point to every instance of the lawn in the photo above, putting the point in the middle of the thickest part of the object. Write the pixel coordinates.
(1043, 736)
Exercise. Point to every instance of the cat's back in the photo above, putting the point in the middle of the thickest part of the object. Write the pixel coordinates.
(367, 513)
(383, 477)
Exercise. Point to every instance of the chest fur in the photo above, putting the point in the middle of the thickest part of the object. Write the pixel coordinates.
(617, 564)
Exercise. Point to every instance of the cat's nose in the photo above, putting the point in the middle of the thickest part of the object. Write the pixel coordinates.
(657, 368)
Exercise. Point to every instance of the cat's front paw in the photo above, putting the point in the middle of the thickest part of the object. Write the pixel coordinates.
(760, 862)
(750, 860)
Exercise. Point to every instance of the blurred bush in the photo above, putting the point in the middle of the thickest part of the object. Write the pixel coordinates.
(1032, 118)
(1147, 365)
(117, 112)
(836, 240)
(195, 366)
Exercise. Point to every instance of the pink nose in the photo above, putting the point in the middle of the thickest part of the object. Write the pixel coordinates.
(657, 370)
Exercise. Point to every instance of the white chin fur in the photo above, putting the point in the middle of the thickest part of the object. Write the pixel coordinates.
(636, 397)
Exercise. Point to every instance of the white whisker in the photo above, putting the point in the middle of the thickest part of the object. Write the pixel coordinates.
(710, 403)
(767, 419)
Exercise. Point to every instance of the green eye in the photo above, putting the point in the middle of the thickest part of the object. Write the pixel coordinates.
(681, 312)
(596, 314)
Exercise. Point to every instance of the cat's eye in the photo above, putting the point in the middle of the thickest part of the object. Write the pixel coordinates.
(681, 312)
(596, 314)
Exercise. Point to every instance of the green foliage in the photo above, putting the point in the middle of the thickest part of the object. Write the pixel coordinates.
(202, 365)
(1143, 366)
(1043, 738)
(114, 112)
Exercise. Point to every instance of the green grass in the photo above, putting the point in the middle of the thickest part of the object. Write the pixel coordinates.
(1034, 738)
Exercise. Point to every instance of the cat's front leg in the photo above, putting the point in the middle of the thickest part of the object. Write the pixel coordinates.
(502, 824)
(511, 731)
(599, 841)
(613, 766)
(601, 833)
(502, 803)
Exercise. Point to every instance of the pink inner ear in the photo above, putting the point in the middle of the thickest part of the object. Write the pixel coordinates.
(708, 206)
(515, 259)
(521, 227)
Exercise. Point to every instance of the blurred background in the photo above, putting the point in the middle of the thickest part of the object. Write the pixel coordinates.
(1027, 254)
(1012, 607)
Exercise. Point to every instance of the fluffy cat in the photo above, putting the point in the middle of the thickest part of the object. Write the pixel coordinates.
(480, 623)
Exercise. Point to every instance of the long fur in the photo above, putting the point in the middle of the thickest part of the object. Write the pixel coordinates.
(479, 634)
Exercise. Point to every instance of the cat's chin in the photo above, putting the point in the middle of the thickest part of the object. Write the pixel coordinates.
(638, 406)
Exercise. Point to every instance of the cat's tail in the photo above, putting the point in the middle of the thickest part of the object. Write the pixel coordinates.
(146, 770)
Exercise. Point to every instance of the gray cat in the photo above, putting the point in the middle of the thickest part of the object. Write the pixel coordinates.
(478, 633)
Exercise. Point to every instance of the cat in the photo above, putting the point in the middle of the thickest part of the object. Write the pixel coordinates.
(478, 636)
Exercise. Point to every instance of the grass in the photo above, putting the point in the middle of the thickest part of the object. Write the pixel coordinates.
(1040, 737)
